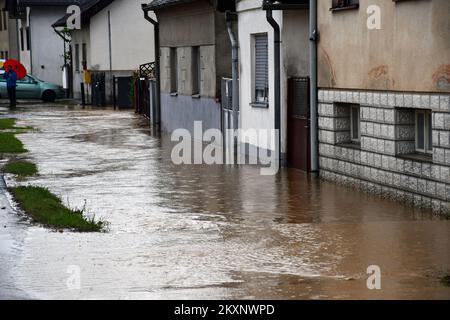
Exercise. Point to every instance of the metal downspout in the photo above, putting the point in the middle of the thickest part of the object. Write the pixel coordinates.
(277, 72)
(156, 118)
(230, 16)
(314, 37)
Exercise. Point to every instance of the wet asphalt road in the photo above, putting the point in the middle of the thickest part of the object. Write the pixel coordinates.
(203, 232)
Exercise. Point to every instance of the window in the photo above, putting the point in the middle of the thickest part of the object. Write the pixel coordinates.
(344, 4)
(77, 57)
(84, 56)
(173, 70)
(347, 125)
(28, 38)
(424, 131)
(22, 41)
(196, 71)
(355, 121)
(6, 55)
(261, 69)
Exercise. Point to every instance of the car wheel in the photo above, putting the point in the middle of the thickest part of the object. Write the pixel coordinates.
(49, 96)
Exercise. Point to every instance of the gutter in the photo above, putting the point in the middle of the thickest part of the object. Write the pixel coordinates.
(68, 80)
(269, 6)
(314, 38)
(156, 119)
(231, 17)
(277, 72)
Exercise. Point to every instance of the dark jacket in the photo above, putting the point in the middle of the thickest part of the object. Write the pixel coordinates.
(11, 78)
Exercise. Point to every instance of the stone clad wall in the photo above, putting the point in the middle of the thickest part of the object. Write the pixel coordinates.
(380, 164)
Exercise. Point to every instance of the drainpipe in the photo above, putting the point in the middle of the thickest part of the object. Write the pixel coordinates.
(66, 65)
(314, 37)
(156, 118)
(111, 79)
(230, 17)
(277, 72)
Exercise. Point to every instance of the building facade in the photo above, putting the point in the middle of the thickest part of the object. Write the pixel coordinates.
(40, 49)
(114, 39)
(8, 33)
(257, 77)
(384, 98)
(195, 56)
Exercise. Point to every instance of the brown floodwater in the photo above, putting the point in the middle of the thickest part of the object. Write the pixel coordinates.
(204, 232)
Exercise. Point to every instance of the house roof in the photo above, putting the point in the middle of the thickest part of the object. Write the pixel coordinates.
(221, 5)
(32, 3)
(160, 4)
(89, 8)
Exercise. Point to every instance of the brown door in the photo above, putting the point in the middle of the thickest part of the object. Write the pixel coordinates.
(298, 140)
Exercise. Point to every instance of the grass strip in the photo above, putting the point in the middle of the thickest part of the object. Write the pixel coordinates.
(6, 124)
(21, 168)
(10, 144)
(47, 209)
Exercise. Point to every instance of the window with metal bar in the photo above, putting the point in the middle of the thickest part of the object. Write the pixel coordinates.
(77, 57)
(173, 70)
(344, 4)
(261, 68)
(424, 132)
(196, 71)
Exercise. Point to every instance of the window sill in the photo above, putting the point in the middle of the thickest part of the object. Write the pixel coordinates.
(261, 105)
(351, 7)
(196, 96)
(350, 145)
(419, 157)
(174, 94)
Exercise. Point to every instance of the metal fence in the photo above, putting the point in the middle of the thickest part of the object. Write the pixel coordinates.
(227, 104)
(146, 91)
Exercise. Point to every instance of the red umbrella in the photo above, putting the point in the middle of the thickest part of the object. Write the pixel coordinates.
(20, 70)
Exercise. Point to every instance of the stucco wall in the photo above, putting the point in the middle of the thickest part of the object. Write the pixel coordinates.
(294, 62)
(79, 37)
(132, 37)
(24, 55)
(4, 34)
(182, 111)
(411, 52)
(47, 48)
(252, 20)
(187, 25)
(295, 37)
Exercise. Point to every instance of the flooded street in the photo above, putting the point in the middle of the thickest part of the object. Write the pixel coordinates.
(204, 232)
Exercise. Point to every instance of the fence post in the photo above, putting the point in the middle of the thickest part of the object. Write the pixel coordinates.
(83, 97)
(114, 91)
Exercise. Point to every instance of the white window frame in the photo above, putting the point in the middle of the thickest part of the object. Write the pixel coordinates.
(255, 101)
(428, 149)
(352, 129)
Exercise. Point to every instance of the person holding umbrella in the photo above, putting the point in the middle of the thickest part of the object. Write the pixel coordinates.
(11, 83)
(14, 71)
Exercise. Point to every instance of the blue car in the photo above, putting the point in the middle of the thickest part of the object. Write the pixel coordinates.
(31, 87)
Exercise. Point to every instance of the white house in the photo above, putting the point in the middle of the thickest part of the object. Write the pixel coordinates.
(114, 38)
(257, 76)
(41, 50)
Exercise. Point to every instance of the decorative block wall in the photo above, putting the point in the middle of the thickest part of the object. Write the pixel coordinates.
(383, 164)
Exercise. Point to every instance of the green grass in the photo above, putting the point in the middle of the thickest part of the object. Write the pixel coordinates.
(47, 209)
(6, 124)
(10, 144)
(10, 125)
(21, 168)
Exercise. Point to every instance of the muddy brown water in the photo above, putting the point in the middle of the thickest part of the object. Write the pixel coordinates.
(204, 232)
